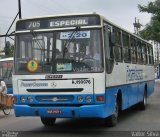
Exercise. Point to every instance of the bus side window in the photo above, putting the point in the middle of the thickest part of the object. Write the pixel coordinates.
(108, 49)
(1, 71)
(133, 50)
(139, 52)
(144, 53)
(118, 46)
(126, 48)
(151, 61)
(152, 56)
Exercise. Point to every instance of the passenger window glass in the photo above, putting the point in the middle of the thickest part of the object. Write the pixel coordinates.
(126, 48)
(133, 50)
(139, 52)
(118, 46)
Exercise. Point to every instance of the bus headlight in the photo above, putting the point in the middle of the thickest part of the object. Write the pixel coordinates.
(88, 99)
(30, 99)
(80, 99)
(22, 99)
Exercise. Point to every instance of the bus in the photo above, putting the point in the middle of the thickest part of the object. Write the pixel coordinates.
(6, 68)
(79, 66)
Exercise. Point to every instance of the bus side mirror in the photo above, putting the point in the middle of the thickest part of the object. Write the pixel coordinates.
(113, 40)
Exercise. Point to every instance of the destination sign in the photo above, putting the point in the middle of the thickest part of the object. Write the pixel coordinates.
(72, 22)
(57, 22)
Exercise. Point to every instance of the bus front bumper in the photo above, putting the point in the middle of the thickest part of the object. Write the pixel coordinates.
(85, 111)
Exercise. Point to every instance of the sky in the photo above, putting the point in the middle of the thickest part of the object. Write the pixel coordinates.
(120, 12)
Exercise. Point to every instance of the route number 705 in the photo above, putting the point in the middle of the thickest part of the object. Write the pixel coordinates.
(34, 24)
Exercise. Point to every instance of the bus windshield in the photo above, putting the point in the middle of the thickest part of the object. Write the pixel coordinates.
(59, 52)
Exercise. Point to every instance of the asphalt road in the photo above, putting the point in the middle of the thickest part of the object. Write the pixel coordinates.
(130, 120)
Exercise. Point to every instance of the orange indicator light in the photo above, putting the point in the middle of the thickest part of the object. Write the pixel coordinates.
(100, 98)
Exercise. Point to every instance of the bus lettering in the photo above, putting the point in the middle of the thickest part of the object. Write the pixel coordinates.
(81, 82)
(34, 84)
(134, 74)
(34, 24)
(68, 23)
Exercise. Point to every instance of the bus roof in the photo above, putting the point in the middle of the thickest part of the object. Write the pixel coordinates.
(60, 15)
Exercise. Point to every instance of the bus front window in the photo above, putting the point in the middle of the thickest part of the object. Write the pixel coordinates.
(79, 52)
(36, 47)
(59, 52)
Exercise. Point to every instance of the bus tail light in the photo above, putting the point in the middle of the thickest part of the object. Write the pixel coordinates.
(14, 99)
(100, 98)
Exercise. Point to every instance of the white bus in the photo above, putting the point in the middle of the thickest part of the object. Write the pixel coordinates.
(81, 66)
(6, 68)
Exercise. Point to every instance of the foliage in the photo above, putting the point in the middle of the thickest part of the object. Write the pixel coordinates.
(9, 50)
(152, 30)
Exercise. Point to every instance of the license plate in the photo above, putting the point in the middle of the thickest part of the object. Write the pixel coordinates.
(54, 111)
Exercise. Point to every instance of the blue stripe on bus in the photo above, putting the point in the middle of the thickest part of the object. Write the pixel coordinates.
(67, 112)
(131, 94)
(37, 99)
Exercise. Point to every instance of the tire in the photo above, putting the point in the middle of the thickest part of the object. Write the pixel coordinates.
(142, 105)
(47, 121)
(6, 110)
(111, 121)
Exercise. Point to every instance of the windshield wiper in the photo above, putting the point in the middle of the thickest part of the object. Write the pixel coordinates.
(38, 43)
(65, 49)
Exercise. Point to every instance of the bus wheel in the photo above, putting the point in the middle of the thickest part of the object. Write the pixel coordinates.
(47, 121)
(112, 120)
(6, 110)
(142, 105)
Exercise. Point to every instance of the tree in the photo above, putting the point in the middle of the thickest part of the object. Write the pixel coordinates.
(152, 29)
(9, 49)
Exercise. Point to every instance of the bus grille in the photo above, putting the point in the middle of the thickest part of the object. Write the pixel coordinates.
(67, 98)
(56, 90)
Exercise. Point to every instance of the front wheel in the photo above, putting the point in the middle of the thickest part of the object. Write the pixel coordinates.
(47, 121)
(6, 110)
(112, 120)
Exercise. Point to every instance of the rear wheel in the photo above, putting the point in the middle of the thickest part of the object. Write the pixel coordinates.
(48, 121)
(142, 105)
(112, 120)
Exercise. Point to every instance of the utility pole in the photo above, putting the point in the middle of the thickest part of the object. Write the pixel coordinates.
(137, 26)
(20, 16)
(19, 7)
(13, 33)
